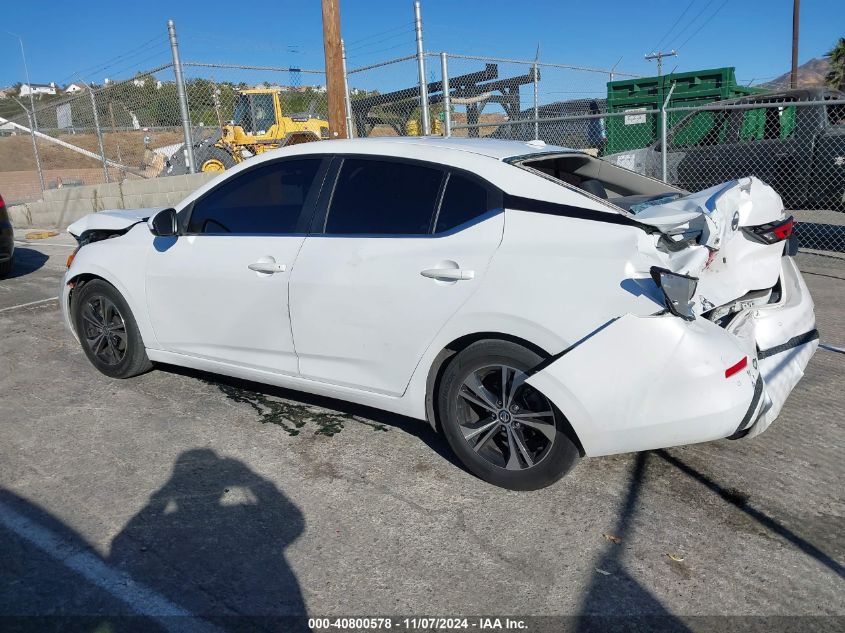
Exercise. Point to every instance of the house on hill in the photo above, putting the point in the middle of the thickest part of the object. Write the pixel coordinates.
(37, 89)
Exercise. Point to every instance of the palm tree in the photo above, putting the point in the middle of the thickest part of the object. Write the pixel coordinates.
(835, 77)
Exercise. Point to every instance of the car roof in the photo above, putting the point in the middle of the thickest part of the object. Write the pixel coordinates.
(799, 94)
(492, 148)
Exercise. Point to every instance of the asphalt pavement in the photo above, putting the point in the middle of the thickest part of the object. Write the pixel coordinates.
(183, 501)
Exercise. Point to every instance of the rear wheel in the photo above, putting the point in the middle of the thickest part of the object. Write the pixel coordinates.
(502, 429)
(107, 330)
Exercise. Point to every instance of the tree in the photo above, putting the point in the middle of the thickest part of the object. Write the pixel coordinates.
(835, 77)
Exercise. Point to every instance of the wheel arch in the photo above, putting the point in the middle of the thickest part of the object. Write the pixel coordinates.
(449, 351)
(91, 273)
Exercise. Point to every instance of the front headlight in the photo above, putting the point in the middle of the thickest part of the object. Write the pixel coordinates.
(678, 291)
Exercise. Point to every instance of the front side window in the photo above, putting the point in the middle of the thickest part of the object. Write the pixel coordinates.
(463, 200)
(380, 197)
(265, 117)
(264, 200)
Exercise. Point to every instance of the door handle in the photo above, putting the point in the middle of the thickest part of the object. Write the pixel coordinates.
(448, 274)
(267, 267)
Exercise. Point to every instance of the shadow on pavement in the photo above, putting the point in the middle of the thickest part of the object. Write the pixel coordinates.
(26, 261)
(205, 554)
(760, 517)
(614, 601)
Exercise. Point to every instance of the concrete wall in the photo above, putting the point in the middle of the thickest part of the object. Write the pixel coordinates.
(60, 207)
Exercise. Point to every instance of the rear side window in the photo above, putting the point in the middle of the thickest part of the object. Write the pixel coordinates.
(836, 114)
(264, 200)
(379, 197)
(463, 200)
(772, 123)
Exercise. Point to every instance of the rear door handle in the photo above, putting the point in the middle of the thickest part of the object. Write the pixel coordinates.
(267, 267)
(448, 274)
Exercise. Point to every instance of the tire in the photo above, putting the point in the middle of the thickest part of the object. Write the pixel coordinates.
(543, 449)
(216, 157)
(119, 352)
(6, 268)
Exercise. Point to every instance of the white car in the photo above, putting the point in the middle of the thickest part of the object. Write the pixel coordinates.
(534, 303)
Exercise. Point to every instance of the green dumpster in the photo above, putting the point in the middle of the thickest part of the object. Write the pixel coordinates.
(641, 99)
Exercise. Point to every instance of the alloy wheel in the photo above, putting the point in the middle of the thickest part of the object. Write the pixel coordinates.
(507, 422)
(104, 330)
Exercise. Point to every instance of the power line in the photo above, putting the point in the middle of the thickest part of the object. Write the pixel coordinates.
(691, 22)
(380, 33)
(705, 23)
(381, 41)
(674, 24)
(381, 50)
(100, 66)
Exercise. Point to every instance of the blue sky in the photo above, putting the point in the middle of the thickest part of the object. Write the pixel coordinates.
(63, 39)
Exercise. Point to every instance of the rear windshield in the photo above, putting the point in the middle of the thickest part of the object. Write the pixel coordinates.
(601, 179)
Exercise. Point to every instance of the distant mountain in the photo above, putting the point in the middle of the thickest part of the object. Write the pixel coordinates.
(810, 75)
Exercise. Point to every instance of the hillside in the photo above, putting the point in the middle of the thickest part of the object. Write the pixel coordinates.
(810, 75)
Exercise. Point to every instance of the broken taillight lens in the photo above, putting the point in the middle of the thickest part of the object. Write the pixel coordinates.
(678, 291)
(771, 233)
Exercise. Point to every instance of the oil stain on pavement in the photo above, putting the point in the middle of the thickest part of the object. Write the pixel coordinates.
(292, 417)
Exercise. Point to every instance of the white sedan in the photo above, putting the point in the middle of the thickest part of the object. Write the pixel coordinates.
(533, 303)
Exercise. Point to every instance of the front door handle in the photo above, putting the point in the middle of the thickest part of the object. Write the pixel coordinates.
(448, 274)
(267, 267)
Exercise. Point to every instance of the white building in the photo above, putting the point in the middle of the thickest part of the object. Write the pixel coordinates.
(73, 88)
(37, 89)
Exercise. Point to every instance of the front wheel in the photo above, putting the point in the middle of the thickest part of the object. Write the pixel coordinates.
(502, 429)
(213, 160)
(107, 330)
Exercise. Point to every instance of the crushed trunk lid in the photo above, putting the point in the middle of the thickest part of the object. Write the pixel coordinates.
(702, 235)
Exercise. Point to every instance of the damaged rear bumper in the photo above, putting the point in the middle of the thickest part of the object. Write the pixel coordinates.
(784, 338)
(650, 382)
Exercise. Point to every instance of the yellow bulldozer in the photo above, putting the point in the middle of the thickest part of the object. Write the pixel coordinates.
(258, 125)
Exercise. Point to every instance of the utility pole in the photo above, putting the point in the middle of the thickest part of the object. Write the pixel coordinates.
(659, 57)
(183, 97)
(334, 69)
(426, 122)
(793, 75)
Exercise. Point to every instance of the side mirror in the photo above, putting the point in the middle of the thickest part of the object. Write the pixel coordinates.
(164, 223)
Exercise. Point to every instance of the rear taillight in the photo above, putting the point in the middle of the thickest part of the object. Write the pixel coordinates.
(2, 204)
(771, 233)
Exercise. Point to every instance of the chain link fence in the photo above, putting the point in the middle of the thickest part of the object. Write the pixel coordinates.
(92, 135)
(384, 99)
(794, 141)
(134, 128)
